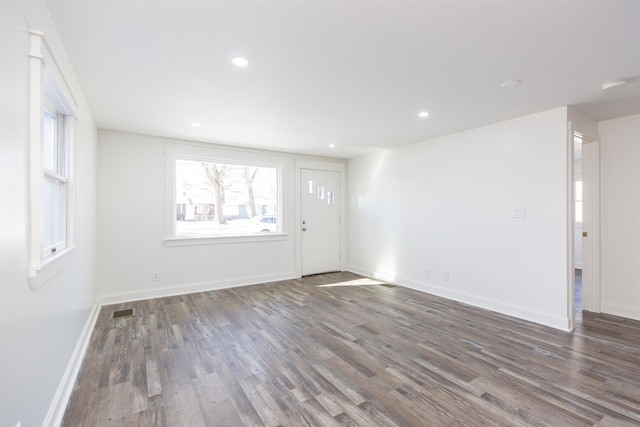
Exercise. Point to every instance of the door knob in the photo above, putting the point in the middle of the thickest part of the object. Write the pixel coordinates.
(304, 228)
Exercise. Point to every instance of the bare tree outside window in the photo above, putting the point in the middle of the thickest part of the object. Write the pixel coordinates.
(214, 198)
(249, 175)
(216, 174)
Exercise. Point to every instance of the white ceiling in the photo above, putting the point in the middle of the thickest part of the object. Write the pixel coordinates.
(351, 73)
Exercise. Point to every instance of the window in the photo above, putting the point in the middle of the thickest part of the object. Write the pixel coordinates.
(214, 198)
(56, 145)
(217, 196)
(52, 136)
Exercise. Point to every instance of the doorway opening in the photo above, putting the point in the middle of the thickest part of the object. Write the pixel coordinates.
(578, 225)
(585, 221)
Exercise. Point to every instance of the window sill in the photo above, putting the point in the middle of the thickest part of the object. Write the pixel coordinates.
(215, 240)
(39, 275)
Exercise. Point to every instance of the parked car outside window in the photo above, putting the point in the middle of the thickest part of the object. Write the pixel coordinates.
(267, 224)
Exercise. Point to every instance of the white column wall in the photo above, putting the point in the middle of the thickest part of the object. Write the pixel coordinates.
(620, 216)
(447, 204)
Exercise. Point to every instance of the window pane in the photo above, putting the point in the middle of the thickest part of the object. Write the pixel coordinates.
(222, 198)
(54, 207)
(331, 198)
(50, 146)
(53, 149)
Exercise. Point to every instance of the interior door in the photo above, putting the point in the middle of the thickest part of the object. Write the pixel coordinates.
(590, 227)
(320, 217)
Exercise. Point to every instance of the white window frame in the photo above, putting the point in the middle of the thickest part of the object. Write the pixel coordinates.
(50, 91)
(212, 153)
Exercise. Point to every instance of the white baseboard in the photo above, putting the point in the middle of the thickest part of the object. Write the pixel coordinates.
(191, 288)
(523, 313)
(65, 388)
(621, 310)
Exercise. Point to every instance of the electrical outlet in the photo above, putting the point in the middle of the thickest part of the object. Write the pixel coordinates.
(445, 276)
(427, 271)
(155, 276)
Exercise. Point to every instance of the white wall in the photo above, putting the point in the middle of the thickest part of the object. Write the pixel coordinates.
(131, 189)
(620, 216)
(39, 328)
(448, 204)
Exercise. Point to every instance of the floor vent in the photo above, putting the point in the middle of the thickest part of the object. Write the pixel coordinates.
(119, 314)
(388, 285)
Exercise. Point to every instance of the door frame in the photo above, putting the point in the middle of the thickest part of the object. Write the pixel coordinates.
(591, 283)
(329, 166)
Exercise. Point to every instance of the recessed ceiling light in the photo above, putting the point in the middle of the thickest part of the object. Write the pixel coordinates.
(239, 61)
(511, 83)
(332, 145)
(614, 83)
(196, 124)
(423, 114)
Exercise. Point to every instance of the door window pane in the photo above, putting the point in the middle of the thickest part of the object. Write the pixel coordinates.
(331, 198)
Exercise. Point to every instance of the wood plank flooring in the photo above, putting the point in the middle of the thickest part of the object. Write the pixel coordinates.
(331, 350)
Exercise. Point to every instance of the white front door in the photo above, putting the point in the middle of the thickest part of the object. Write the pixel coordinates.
(320, 221)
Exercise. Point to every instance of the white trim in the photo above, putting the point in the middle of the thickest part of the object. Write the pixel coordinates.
(41, 51)
(571, 229)
(43, 65)
(218, 154)
(224, 154)
(190, 288)
(519, 312)
(170, 194)
(621, 310)
(65, 388)
(321, 165)
(50, 267)
(36, 103)
(222, 239)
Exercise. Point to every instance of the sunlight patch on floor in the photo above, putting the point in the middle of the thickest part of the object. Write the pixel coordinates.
(357, 282)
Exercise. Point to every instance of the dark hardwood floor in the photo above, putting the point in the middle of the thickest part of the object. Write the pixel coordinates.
(332, 350)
